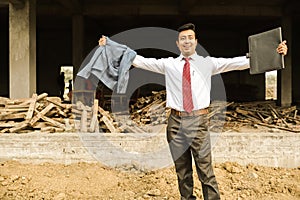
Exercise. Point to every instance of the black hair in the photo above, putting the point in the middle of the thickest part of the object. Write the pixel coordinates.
(188, 26)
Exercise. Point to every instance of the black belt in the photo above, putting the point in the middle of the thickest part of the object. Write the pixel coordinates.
(193, 113)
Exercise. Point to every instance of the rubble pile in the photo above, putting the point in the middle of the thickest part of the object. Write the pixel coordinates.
(265, 113)
(150, 109)
(41, 113)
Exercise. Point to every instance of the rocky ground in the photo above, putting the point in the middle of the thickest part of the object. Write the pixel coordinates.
(94, 181)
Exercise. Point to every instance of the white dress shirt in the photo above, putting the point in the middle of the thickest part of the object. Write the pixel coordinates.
(201, 69)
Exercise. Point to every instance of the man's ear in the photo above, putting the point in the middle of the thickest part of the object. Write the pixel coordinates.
(177, 43)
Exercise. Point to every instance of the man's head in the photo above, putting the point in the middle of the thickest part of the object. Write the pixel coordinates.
(187, 41)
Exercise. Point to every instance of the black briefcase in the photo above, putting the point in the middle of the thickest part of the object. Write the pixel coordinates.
(262, 51)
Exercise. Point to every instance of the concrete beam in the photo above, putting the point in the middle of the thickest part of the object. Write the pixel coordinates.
(199, 10)
(72, 6)
(16, 3)
(22, 48)
(161, 9)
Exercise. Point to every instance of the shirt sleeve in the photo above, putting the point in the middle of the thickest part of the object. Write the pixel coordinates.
(151, 64)
(229, 64)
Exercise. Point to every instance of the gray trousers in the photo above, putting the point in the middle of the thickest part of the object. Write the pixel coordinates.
(189, 136)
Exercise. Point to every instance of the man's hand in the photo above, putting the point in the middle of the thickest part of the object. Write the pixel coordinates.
(282, 48)
(102, 41)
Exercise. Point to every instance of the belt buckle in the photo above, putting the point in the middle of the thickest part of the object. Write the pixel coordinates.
(179, 113)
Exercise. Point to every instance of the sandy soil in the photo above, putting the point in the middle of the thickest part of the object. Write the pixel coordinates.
(94, 181)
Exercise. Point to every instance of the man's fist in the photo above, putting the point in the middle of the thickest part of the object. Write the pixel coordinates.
(282, 48)
(102, 41)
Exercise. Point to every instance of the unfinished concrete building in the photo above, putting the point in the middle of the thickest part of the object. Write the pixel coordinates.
(38, 37)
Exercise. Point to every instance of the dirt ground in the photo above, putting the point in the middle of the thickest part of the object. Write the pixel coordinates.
(94, 181)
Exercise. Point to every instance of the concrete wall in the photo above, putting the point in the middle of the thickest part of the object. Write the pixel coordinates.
(147, 150)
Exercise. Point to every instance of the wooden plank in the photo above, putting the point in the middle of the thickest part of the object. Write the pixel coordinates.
(42, 96)
(19, 127)
(105, 113)
(60, 112)
(3, 100)
(83, 121)
(53, 122)
(31, 107)
(109, 124)
(69, 124)
(13, 110)
(48, 129)
(39, 97)
(51, 129)
(40, 114)
(279, 127)
(54, 99)
(13, 116)
(39, 125)
(17, 101)
(94, 120)
(215, 111)
(65, 106)
(11, 107)
(7, 124)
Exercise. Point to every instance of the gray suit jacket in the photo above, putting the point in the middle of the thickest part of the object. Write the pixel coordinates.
(110, 64)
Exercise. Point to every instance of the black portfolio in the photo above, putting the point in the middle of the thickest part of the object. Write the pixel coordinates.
(262, 51)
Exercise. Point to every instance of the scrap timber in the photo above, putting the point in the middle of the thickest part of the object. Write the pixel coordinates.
(42, 113)
(265, 113)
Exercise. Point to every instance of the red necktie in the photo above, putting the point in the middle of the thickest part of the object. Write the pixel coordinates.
(186, 87)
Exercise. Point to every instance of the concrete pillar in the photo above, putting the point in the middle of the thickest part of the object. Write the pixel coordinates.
(22, 48)
(77, 41)
(284, 79)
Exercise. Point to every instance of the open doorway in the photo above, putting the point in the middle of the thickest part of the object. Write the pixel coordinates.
(271, 85)
(67, 71)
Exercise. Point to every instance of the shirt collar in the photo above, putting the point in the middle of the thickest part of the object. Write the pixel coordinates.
(192, 57)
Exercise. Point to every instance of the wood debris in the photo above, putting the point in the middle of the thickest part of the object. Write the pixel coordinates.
(151, 109)
(265, 113)
(38, 113)
(48, 114)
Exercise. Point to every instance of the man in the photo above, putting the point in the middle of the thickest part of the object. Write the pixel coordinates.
(188, 83)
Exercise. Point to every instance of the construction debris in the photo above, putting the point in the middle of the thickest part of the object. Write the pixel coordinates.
(151, 109)
(265, 113)
(38, 113)
(41, 113)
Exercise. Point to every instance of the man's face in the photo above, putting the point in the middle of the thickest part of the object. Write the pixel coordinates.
(187, 42)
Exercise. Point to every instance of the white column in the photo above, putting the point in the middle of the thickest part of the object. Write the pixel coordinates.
(22, 48)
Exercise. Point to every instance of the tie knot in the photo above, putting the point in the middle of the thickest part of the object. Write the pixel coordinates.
(186, 59)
